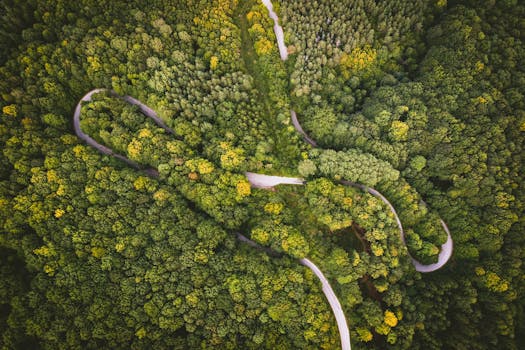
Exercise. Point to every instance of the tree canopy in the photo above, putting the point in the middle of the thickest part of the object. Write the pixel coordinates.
(422, 100)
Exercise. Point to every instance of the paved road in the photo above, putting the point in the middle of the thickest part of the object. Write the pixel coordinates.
(269, 181)
(344, 332)
(299, 128)
(283, 50)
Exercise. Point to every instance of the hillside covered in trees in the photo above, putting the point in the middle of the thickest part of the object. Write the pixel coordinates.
(421, 100)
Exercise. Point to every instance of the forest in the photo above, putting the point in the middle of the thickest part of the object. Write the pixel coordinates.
(421, 100)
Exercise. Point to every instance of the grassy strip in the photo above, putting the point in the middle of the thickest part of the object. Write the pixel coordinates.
(285, 152)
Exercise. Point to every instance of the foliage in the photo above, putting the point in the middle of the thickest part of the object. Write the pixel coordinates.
(421, 100)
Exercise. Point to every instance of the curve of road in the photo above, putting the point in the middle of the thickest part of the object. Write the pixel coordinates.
(150, 113)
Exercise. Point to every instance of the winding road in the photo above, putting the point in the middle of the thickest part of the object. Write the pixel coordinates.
(446, 248)
(267, 181)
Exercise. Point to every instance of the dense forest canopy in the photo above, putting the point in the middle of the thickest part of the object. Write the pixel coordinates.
(422, 100)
